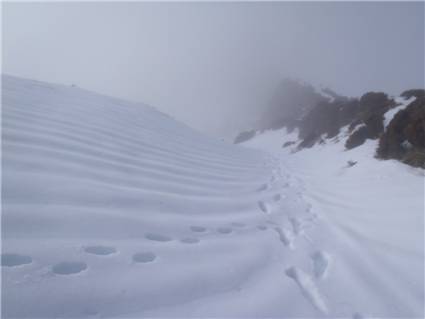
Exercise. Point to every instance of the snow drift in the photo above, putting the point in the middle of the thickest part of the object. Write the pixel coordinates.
(112, 209)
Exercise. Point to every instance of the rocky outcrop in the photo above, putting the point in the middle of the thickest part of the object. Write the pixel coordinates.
(357, 138)
(418, 93)
(328, 117)
(404, 138)
(319, 117)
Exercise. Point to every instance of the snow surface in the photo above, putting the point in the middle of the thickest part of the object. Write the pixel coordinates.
(371, 227)
(112, 209)
(403, 103)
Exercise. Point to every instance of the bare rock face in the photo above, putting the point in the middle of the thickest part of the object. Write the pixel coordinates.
(322, 119)
(418, 93)
(371, 110)
(404, 138)
(357, 138)
(328, 117)
(309, 141)
(373, 106)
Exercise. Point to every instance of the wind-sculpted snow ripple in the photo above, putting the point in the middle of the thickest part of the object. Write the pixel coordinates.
(113, 208)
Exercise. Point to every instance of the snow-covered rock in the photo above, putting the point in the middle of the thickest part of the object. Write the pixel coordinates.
(402, 103)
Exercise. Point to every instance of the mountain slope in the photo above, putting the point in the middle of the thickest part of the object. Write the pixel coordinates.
(320, 114)
(372, 222)
(112, 209)
(82, 170)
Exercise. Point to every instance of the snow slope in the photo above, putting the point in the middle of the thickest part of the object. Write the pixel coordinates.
(371, 224)
(112, 209)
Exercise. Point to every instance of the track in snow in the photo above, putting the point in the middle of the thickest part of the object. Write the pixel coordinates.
(365, 228)
(111, 208)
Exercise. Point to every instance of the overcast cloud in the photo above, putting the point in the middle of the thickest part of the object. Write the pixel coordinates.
(205, 63)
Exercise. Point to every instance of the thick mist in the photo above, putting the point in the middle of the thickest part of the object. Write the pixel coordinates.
(215, 65)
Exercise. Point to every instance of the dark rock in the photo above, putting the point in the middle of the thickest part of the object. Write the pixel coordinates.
(373, 106)
(309, 141)
(351, 163)
(418, 93)
(404, 138)
(374, 100)
(374, 123)
(357, 138)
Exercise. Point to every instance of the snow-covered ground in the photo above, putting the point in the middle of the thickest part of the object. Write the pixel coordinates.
(112, 209)
(371, 225)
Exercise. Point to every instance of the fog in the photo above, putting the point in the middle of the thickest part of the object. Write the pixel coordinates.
(214, 66)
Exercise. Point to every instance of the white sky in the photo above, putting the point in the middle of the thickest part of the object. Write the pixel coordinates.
(215, 65)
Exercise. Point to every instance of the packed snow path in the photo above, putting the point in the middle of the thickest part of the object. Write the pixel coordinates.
(112, 209)
(369, 238)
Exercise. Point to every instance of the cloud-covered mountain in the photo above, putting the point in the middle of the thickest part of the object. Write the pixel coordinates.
(320, 114)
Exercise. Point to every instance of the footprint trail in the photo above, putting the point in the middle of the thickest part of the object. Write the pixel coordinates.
(308, 288)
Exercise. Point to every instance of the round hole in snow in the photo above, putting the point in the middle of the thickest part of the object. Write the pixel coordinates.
(144, 257)
(100, 250)
(69, 267)
(12, 260)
